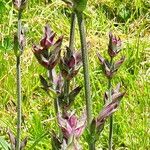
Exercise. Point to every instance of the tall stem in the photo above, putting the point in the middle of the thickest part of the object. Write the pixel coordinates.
(111, 117)
(86, 72)
(71, 47)
(19, 100)
(72, 31)
(85, 66)
(92, 146)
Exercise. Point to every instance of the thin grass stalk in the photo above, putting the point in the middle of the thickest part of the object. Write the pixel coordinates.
(50, 76)
(111, 117)
(71, 47)
(85, 66)
(19, 97)
(92, 146)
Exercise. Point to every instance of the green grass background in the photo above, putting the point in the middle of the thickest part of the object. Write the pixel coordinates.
(128, 19)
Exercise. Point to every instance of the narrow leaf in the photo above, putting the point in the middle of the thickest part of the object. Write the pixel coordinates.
(23, 143)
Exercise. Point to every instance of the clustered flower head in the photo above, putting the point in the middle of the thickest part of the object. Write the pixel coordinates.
(71, 127)
(48, 54)
(47, 58)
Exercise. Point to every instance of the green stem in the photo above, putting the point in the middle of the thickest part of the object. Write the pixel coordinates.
(66, 90)
(111, 117)
(72, 31)
(19, 100)
(86, 72)
(85, 67)
(18, 103)
(111, 133)
(92, 146)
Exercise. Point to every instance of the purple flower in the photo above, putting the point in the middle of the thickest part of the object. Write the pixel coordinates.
(108, 68)
(41, 52)
(114, 46)
(115, 94)
(48, 39)
(71, 126)
(108, 110)
(70, 64)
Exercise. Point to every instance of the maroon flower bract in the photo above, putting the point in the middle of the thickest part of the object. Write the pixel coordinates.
(46, 58)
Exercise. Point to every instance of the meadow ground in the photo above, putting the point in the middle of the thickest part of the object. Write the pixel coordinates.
(128, 19)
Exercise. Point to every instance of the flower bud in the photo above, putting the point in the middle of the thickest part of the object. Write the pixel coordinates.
(114, 46)
(19, 4)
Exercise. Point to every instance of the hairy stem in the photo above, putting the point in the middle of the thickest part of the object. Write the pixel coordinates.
(111, 117)
(72, 31)
(19, 100)
(18, 103)
(86, 72)
(85, 67)
(111, 132)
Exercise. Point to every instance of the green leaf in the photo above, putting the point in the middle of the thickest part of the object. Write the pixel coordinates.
(37, 141)
(4, 144)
